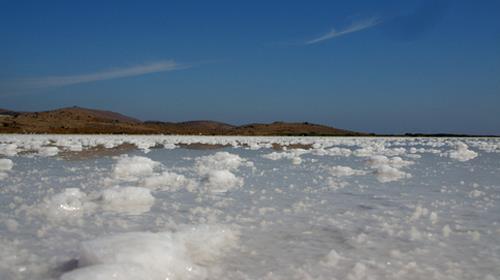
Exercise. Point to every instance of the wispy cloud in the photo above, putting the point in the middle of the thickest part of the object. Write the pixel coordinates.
(354, 27)
(138, 70)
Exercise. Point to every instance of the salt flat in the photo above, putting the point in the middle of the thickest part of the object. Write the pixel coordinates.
(145, 207)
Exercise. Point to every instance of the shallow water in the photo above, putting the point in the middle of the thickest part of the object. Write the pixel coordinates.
(348, 208)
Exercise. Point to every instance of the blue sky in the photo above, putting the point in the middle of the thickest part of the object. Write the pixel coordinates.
(375, 66)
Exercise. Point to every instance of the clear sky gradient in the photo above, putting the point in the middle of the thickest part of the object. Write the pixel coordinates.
(374, 66)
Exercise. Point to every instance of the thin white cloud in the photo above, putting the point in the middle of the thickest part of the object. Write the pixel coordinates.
(354, 27)
(138, 70)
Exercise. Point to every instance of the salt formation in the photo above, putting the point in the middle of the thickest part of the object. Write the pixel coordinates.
(217, 171)
(67, 205)
(8, 149)
(344, 171)
(387, 173)
(186, 254)
(151, 207)
(48, 151)
(132, 168)
(127, 199)
(5, 165)
(461, 152)
(387, 169)
(72, 203)
(170, 181)
(220, 181)
(220, 161)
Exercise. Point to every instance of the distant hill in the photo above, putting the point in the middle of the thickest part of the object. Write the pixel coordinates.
(7, 112)
(90, 121)
(284, 128)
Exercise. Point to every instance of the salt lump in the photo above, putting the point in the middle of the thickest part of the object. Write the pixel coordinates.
(378, 161)
(216, 171)
(386, 173)
(332, 259)
(387, 169)
(461, 152)
(187, 254)
(293, 155)
(296, 160)
(168, 181)
(344, 171)
(220, 161)
(48, 151)
(5, 165)
(221, 181)
(71, 203)
(132, 168)
(135, 200)
(8, 149)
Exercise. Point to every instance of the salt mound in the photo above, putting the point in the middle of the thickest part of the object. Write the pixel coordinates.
(220, 161)
(335, 151)
(5, 165)
(8, 149)
(387, 169)
(296, 160)
(107, 272)
(341, 171)
(48, 151)
(168, 181)
(461, 152)
(292, 154)
(332, 259)
(186, 254)
(132, 168)
(71, 203)
(219, 181)
(135, 200)
(387, 173)
(216, 171)
(379, 160)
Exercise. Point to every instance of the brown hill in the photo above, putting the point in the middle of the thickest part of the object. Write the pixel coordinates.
(87, 121)
(7, 112)
(192, 127)
(72, 120)
(283, 128)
